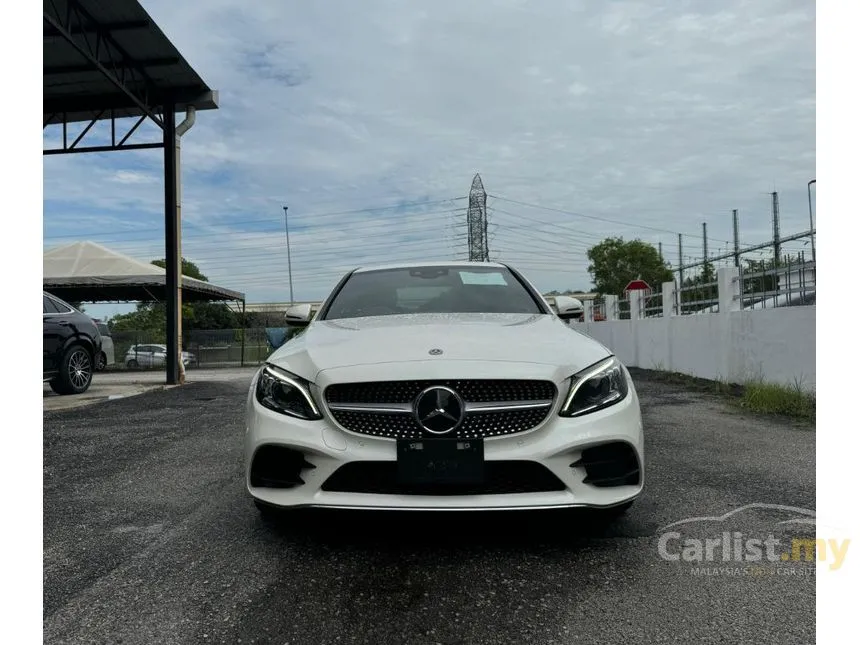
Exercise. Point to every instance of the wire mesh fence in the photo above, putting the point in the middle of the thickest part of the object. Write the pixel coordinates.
(142, 350)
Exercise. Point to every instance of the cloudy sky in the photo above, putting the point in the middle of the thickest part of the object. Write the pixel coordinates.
(369, 120)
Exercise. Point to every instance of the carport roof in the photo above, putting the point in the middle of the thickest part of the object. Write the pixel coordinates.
(108, 59)
(90, 272)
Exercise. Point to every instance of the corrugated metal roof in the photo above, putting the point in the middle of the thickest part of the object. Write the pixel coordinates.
(152, 64)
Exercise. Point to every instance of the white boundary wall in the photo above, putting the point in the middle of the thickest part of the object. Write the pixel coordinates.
(774, 345)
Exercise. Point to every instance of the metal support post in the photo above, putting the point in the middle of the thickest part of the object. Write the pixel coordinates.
(289, 260)
(811, 224)
(736, 232)
(777, 250)
(172, 235)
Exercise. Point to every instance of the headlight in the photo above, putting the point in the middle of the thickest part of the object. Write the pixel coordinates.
(285, 393)
(595, 388)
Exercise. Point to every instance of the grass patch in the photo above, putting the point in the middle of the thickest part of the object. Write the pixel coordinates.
(768, 398)
(691, 383)
(754, 395)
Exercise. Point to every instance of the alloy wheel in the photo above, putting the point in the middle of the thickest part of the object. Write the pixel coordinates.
(80, 368)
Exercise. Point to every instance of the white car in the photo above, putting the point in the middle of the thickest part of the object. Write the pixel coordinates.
(106, 356)
(442, 387)
(151, 356)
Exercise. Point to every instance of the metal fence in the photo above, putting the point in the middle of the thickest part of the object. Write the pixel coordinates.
(652, 305)
(622, 309)
(141, 350)
(697, 298)
(791, 284)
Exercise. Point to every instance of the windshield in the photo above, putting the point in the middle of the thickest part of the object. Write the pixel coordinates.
(433, 289)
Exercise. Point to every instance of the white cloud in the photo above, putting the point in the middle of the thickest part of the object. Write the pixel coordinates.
(134, 177)
(659, 115)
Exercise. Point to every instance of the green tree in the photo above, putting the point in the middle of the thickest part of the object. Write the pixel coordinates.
(151, 317)
(189, 269)
(614, 262)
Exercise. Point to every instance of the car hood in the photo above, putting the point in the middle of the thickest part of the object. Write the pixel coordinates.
(405, 343)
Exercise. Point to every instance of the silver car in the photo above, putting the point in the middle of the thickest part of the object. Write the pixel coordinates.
(152, 356)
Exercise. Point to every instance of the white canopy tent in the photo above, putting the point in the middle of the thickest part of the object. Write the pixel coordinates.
(90, 272)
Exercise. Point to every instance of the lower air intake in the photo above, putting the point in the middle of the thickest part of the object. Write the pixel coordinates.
(500, 478)
(609, 465)
(278, 467)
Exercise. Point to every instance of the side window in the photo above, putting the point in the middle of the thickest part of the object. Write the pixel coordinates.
(60, 307)
(48, 306)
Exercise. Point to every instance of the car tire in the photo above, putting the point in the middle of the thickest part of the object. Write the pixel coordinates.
(101, 362)
(76, 371)
(132, 364)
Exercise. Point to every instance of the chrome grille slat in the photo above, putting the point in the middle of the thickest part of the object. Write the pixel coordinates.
(494, 407)
(502, 406)
(381, 408)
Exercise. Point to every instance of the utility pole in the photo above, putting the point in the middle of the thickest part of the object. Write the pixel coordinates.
(705, 244)
(680, 262)
(811, 224)
(737, 237)
(660, 250)
(289, 260)
(776, 241)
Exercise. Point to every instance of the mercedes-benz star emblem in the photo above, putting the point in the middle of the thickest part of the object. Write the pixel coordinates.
(435, 351)
(439, 410)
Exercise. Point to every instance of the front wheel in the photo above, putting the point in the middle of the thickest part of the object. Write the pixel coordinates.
(132, 364)
(76, 372)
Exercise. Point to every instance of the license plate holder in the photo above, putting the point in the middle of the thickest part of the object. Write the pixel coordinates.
(440, 461)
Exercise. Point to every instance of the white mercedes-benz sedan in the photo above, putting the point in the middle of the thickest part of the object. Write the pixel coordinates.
(438, 386)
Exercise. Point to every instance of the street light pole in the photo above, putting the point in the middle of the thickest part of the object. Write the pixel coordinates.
(289, 261)
(811, 224)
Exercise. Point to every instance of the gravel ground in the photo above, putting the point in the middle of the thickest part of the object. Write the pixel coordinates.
(149, 537)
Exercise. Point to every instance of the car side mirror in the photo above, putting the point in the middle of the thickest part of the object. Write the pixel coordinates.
(568, 308)
(298, 315)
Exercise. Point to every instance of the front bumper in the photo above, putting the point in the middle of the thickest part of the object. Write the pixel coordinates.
(556, 445)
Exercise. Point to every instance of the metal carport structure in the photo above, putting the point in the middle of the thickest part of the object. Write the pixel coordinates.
(108, 60)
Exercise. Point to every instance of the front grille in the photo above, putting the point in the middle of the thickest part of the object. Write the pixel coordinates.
(519, 405)
(500, 478)
(474, 390)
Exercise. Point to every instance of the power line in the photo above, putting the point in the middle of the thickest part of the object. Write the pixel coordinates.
(274, 222)
(599, 219)
(593, 217)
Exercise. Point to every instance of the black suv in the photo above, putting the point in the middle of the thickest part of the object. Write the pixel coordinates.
(70, 341)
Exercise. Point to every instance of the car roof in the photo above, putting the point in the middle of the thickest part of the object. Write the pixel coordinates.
(448, 263)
